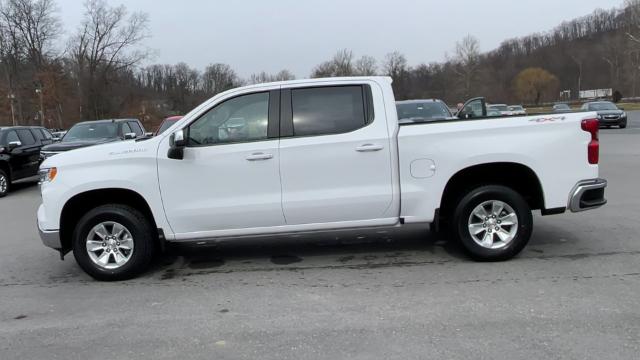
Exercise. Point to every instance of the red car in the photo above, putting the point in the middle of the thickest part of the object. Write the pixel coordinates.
(167, 123)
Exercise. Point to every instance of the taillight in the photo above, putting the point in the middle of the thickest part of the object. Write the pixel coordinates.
(593, 149)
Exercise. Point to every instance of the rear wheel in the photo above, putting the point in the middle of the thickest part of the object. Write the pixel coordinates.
(113, 242)
(4, 183)
(493, 223)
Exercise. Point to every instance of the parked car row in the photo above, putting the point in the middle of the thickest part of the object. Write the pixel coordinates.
(24, 148)
(416, 111)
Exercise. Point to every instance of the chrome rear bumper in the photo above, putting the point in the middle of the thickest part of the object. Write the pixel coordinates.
(587, 195)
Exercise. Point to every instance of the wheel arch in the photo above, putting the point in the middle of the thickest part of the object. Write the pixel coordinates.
(81, 203)
(519, 177)
(4, 165)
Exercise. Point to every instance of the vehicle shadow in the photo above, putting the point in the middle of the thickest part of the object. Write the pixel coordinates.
(348, 249)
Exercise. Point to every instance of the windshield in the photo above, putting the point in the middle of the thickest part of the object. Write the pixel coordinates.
(602, 106)
(423, 111)
(166, 124)
(562, 107)
(105, 130)
(516, 108)
(499, 107)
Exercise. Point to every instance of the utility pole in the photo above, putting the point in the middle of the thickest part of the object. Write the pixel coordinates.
(39, 92)
(11, 98)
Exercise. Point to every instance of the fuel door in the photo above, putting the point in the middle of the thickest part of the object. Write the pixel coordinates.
(423, 168)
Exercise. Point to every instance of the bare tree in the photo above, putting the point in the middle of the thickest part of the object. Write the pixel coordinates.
(612, 50)
(325, 69)
(11, 53)
(284, 75)
(467, 60)
(105, 43)
(366, 66)
(28, 29)
(218, 78)
(632, 8)
(341, 64)
(36, 24)
(264, 77)
(395, 66)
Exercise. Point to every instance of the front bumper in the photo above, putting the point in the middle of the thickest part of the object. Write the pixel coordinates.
(50, 238)
(587, 195)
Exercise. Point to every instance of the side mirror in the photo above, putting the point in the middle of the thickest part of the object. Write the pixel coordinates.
(14, 144)
(129, 136)
(177, 143)
(621, 108)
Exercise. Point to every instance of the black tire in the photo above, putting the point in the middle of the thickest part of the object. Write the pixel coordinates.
(7, 180)
(475, 197)
(141, 231)
(623, 124)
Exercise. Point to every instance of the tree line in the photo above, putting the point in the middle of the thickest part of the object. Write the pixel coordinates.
(98, 73)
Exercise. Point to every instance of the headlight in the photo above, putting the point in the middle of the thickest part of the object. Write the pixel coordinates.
(624, 114)
(47, 174)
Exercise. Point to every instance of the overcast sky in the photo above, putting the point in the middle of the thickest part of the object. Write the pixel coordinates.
(270, 35)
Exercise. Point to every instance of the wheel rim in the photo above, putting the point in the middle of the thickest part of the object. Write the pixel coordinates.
(3, 184)
(109, 245)
(493, 224)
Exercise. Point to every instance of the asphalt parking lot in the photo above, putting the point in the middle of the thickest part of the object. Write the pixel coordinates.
(573, 293)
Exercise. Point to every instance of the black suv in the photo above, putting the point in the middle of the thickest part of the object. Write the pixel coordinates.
(89, 133)
(20, 153)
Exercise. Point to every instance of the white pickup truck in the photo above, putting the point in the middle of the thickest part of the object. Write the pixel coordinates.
(310, 156)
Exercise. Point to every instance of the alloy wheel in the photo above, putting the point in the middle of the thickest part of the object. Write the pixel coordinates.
(493, 224)
(109, 245)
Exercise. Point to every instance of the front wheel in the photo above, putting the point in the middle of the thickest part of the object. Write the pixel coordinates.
(493, 223)
(623, 124)
(113, 242)
(4, 183)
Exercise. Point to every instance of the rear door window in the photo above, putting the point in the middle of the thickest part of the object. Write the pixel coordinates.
(47, 134)
(38, 134)
(136, 128)
(26, 137)
(327, 110)
(12, 137)
(126, 129)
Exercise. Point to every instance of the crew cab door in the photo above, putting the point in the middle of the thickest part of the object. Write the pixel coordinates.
(228, 179)
(335, 155)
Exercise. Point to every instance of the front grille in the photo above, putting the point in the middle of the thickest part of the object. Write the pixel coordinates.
(611, 117)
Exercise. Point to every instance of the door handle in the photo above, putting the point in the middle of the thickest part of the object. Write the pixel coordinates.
(369, 147)
(259, 156)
